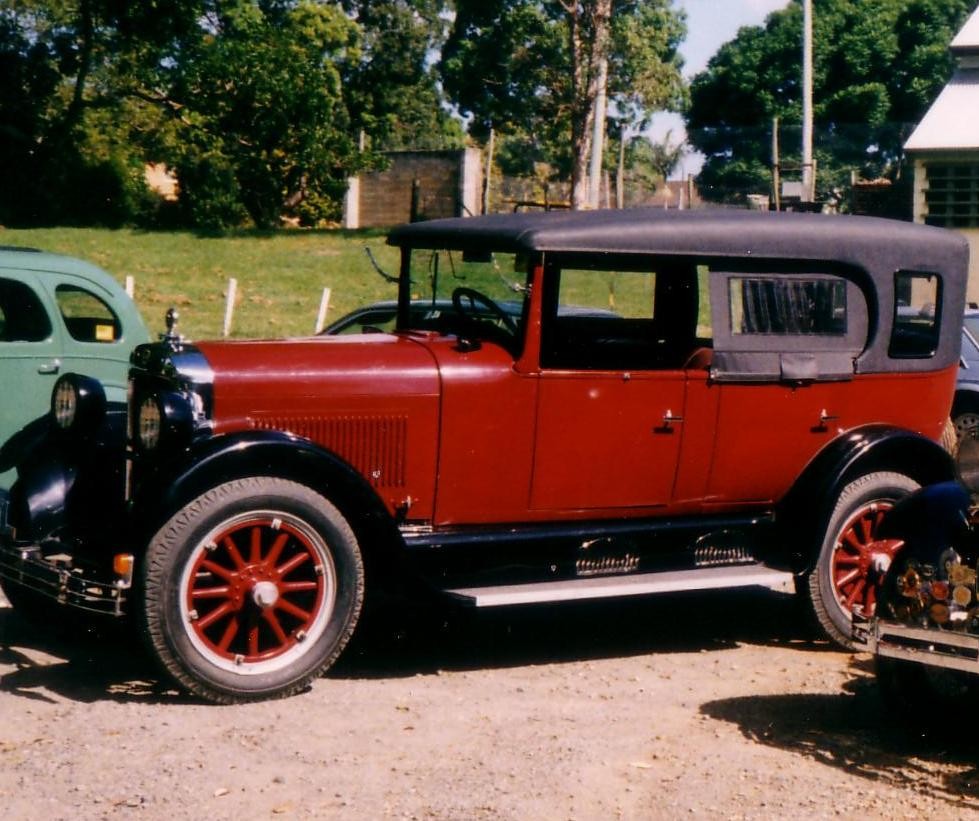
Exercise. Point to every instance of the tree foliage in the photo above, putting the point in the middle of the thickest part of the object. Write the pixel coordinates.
(66, 132)
(393, 89)
(257, 110)
(878, 64)
(256, 104)
(527, 68)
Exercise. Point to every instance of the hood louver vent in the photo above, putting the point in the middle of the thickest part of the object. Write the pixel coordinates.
(374, 445)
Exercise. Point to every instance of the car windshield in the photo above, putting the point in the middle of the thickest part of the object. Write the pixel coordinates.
(480, 295)
(971, 323)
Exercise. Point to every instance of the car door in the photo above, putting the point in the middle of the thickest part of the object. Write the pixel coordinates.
(94, 338)
(785, 341)
(30, 351)
(612, 390)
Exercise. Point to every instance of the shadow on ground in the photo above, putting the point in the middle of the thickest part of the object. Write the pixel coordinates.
(424, 640)
(855, 732)
(86, 664)
(78, 662)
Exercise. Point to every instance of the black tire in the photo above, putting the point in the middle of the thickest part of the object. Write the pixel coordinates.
(965, 413)
(252, 590)
(865, 499)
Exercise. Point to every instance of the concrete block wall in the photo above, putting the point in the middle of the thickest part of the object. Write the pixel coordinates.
(448, 185)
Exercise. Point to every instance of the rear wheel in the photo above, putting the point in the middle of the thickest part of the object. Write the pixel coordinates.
(851, 555)
(965, 414)
(252, 590)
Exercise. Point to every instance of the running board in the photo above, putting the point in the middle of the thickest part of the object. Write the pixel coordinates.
(639, 584)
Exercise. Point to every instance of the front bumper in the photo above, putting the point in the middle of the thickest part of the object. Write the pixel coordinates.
(52, 574)
(953, 650)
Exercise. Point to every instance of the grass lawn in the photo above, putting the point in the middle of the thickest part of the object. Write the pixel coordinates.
(280, 276)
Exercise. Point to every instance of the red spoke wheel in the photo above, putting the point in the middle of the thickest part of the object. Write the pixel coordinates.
(856, 552)
(851, 554)
(252, 590)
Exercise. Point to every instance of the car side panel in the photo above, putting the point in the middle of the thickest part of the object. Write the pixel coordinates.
(487, 432)
(789, 421)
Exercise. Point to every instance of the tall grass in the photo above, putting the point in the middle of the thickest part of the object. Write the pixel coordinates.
(280, 276)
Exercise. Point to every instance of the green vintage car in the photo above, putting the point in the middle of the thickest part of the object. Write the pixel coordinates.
(58, 314)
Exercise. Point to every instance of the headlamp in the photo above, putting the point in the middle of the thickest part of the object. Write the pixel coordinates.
(78, 403)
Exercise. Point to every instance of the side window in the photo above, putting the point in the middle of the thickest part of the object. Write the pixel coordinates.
(917, 297)
(600, 319)
(87, 317)
(783, 306)
(705, 331)
(796, 326)
(22, 314)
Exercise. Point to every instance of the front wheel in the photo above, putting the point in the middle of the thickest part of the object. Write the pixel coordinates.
(252, 590)
(851, 555)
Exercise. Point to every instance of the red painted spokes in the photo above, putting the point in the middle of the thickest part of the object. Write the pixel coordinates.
(858, 556)
(257, 588)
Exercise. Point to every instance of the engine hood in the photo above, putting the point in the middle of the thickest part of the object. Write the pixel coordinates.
(327, 375)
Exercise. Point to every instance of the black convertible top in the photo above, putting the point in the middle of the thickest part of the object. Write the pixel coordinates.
(872, 250)
(866, 242)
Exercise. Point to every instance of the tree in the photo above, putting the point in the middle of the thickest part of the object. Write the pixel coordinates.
(392, 91)
(66, 147)
(877, 66)
(256, 104)
(535, 68)
(257, 122)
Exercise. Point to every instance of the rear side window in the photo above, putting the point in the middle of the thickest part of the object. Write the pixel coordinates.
(87, 317)
(916, 315)
(22, 315)
(794, 325)
(787, 306)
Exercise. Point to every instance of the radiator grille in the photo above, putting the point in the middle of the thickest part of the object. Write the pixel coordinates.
(374, 445)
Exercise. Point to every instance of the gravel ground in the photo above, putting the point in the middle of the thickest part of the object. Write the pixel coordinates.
(714, 705)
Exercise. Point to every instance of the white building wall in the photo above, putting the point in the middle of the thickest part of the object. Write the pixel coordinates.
(921, 211)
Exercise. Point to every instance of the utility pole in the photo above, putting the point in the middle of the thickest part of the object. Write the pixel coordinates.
(808, 171)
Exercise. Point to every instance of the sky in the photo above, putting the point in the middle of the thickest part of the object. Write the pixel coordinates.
(710, 23)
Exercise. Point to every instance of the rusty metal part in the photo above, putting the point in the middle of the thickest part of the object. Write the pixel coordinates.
(962, 595)
(938, 613)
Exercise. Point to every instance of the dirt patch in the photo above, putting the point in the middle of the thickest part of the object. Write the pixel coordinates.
(691, 705)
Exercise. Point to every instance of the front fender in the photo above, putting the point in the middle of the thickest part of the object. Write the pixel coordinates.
(233, 456)
(61, 480)
(802, 515)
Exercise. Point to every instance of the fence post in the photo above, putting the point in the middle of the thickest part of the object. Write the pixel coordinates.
(229, 305)
(130, 285)
(416, 197)
(324, 307)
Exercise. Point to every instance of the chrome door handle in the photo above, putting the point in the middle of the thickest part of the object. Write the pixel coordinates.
(668, 421)
(50, 367)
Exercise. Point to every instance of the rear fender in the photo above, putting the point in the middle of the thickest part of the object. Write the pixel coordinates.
(801, 517)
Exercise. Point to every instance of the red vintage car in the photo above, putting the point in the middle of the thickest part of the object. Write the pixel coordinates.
(685, 400)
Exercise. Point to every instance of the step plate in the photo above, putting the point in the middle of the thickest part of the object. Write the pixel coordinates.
(639, 584)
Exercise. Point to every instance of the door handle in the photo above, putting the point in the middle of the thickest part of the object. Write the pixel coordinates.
(668, 421)
(50, 367)
(824, 419)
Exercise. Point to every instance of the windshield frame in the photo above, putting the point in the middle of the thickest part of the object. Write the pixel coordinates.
(522, 279)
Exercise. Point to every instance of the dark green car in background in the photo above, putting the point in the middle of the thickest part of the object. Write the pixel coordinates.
(58, 314)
